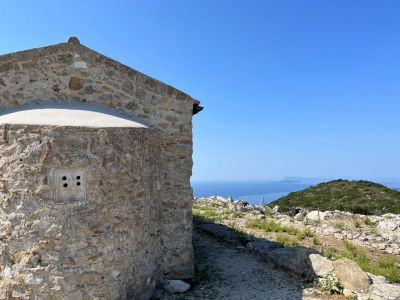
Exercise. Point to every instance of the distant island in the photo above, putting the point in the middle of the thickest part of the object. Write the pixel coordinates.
(362, 197)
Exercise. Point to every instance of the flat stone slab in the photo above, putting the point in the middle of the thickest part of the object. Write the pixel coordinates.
(263, 247)
(295, 259)
(220, 231)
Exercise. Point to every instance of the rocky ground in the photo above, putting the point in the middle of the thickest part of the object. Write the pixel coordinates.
(245, 251)
(228, 271)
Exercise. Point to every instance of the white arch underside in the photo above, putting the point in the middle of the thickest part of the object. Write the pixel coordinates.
(68, 114)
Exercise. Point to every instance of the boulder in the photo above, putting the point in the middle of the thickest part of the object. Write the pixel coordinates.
(315, 216)
(391, 225)
(322, 266)
(295, 259)
(384, 291)
(176, 286)
(299, 216)
(381, 289)
(263, 247)
(220, 231)
(351, 275)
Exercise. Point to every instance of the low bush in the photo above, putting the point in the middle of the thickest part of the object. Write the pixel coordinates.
(272, 226)
(286, 240)
(368, 221)
(329, 252)
(339, 225)
(316, 241)
(356, 223)
(331, 285)
(237, 214)
(386, 266)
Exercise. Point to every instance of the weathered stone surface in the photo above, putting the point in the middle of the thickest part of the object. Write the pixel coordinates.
(295, 259)
(315, 216)
(176, 286)
(351, 275)
(76, 83)
(322, 266)
(219, 231)
(263, 247)
(43, 75)
(4, 67)
(381, 289)
(106, 244)
(384, 291)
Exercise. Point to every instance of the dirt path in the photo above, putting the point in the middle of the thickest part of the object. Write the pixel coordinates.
(230, 273)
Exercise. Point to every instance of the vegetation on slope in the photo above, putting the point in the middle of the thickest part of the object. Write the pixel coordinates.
(363, 197)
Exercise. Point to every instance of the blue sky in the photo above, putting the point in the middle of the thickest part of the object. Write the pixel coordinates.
(290, 88)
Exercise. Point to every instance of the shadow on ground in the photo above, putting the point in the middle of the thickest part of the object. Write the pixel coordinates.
(233, 265)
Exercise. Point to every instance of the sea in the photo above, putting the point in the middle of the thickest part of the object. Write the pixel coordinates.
(263, 191)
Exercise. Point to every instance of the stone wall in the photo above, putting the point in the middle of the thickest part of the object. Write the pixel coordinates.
(104, 246)
(71, 72)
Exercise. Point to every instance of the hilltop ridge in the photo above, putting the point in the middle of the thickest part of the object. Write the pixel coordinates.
(356, 196)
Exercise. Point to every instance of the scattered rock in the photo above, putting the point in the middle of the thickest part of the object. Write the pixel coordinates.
(220, 231)
(176, 286)
(322, 266)
(381, 289)
(263, 247)
(33, 280)
(316, 216)
(76, 83)
(384, 291)
(295, 259)
(351, 275)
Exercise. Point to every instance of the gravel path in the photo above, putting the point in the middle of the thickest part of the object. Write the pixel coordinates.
(230, 273)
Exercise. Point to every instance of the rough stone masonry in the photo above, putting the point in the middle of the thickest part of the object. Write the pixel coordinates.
(89, 212)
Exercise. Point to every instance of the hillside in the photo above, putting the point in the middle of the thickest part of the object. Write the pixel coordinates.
(361, 196)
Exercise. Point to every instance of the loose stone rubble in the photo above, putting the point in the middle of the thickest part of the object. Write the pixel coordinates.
(383, 234)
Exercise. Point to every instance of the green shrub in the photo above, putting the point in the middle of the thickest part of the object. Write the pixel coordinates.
(349, 246)
(329, 252)
(368, 221)
(316, 241)
(331, 285)
(361, 210)
(209, 213)
(237, 214)
(374, 231)
(268, 213)
(387, 262)
(306, 233)
(272, 226)
(386, 266)
(356, 223)
(286, 240)
(339, 225)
